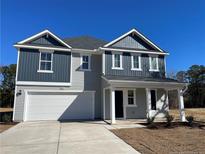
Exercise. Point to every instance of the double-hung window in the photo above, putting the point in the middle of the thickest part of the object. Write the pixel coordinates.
(45, 62)
(131, 97)
(153, 62)
(116, 61)
(136, 62)
(85, 62)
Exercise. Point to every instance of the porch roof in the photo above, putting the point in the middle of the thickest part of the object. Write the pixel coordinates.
(125, 81)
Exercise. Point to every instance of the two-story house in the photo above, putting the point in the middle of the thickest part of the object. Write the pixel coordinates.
(87, 78)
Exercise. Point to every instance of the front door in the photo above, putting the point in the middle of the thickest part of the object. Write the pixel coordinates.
(119, 104)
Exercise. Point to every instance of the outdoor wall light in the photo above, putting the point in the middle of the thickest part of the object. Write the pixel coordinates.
(18, 93)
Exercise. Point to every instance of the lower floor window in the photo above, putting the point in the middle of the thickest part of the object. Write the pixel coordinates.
(131, 98)
(153, 99)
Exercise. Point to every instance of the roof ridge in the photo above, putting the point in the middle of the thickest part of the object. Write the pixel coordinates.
(83, 36)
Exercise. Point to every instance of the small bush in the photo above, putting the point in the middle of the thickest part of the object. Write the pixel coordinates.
(150, 120)
(190, 120)
(169, 119)
(6, 117)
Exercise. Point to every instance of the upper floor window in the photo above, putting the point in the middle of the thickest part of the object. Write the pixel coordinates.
(153, 62)
(131, 97)
(45, 62)
(116, 61)
(136, 62)
(85, 62)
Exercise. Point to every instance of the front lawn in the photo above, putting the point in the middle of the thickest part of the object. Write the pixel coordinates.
(178, 139)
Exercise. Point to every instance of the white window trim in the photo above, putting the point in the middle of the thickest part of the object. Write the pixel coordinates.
(81, 62)
(155, 98)
(39, 67)
(157, 62)
(132, 62)
(131, 105)
(113, 61)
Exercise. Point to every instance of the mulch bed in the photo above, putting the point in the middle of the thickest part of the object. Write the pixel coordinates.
(6, 125)
(179, 138)
(163, 125)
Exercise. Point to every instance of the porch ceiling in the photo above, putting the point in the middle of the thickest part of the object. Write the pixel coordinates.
(165, 83)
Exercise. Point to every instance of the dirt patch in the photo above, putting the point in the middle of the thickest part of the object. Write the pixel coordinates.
(5, 126)
(178, 139)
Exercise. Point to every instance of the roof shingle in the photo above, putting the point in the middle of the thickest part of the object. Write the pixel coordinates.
(85, 42)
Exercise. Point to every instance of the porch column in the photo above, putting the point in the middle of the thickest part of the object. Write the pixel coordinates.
(148, 101)
(167, 99)
(112, 106)
(181, 105)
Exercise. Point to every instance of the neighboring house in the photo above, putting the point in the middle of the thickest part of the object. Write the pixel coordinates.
(87, 78)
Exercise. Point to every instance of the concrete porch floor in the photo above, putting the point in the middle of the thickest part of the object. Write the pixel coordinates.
(127, 123)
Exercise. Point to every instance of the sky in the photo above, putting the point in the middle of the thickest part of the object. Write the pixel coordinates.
(177, 27)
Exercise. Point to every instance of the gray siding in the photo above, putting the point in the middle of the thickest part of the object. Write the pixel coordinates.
(29, 64)
(46, 40)
(132, 42)
(126, 64)
(138, 111)
(81, 80)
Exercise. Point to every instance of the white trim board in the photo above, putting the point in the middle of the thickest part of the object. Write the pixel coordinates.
(34, 83)
(139, 34)
(40, 47)
(17, 68)
(43, 33)
(56, 90)
(135, 51)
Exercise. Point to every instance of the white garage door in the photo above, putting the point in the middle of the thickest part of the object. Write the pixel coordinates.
(59, 106)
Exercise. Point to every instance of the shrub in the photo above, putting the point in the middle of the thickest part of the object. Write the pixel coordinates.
(169, 119)
(190, 120)
(150, 120)
(6, 117)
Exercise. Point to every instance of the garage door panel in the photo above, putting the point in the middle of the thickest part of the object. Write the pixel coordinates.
(59, 106)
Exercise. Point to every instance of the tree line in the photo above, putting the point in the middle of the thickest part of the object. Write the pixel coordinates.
(195, 77)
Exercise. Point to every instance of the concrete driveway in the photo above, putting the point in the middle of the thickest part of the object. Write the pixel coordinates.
(61, 138)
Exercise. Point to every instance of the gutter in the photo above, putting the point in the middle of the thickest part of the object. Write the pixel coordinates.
(134, 51)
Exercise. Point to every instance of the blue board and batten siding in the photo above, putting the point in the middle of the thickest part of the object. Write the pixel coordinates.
(46, 40)
(29, 65)
(126, 65)
(132, 42)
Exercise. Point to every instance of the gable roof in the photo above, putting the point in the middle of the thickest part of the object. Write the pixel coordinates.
(85, 42)
(138, 34)
(45, 32)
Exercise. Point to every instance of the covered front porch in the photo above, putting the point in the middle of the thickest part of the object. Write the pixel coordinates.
(127, 99)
